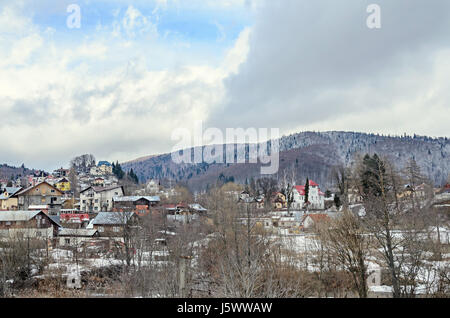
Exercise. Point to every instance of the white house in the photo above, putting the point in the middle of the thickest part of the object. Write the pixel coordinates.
(316, 198)
(96, 199)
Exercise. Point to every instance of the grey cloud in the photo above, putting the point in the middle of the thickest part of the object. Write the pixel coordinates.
(310, 60)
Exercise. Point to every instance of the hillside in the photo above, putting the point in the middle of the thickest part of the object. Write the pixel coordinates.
(311, 154)
(7, 172)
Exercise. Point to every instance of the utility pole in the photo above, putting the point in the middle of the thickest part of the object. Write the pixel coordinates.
(182, 283)
(28, 254)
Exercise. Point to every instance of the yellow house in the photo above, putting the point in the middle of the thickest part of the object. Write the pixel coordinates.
(63, 185)
(8, 200)
(105, 167)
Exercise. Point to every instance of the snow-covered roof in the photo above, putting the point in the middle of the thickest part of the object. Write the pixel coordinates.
(136, 198)
(197, 207)
(38, 207)
(77, 232)
(112, 218)
(14, 216)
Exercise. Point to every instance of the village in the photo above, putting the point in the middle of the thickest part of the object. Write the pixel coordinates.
(93, 218)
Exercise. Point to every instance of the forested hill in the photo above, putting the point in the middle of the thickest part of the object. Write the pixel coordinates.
(310, 154)
(10, 172)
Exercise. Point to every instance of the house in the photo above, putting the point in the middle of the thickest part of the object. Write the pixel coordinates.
(76, 237)
(60, 173)
(138, 204)
(315, 197)
(111, 224)
(354, 196)
(33, 224)
(8, 199)
(96, 199)
(105, 167)
(99, 181)
(95, 171)
(42, 193)
(279, 201)
(63, 184)
(257, 202)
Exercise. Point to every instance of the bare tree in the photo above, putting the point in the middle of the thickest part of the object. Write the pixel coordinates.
(83, 163)
(341, 177)
(267, 187)
(349, 247)
(73, 179)
(287, 186)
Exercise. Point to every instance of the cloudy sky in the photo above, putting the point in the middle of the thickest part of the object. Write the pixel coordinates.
(135, 70)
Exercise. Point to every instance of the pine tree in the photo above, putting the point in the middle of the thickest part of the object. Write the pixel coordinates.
(133, 176)
(117, 171)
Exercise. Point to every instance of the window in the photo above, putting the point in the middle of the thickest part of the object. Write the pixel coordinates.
(101, 229)
(96, 200)
(8, 223)
(67, 241)
(116, 229)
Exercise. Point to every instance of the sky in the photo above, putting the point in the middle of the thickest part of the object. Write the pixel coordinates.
(133, 71)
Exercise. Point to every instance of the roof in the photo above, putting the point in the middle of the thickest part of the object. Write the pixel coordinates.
(56, 219)
(38, 207)
(6, 216)
(313, 184)
(197, 207)
(301, 188)
(102, 189)
(62, 169)
(21, 216)
(10, 191)
(103, 163)
(136, 198)
(36, 185)
(316, 217)
(112, 218)
(63, 179)
(77, 232)
(13, 190)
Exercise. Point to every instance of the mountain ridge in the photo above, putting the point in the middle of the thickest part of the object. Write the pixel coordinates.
(312, 154)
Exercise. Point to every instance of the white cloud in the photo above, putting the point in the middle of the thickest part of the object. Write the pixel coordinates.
(76, 98)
